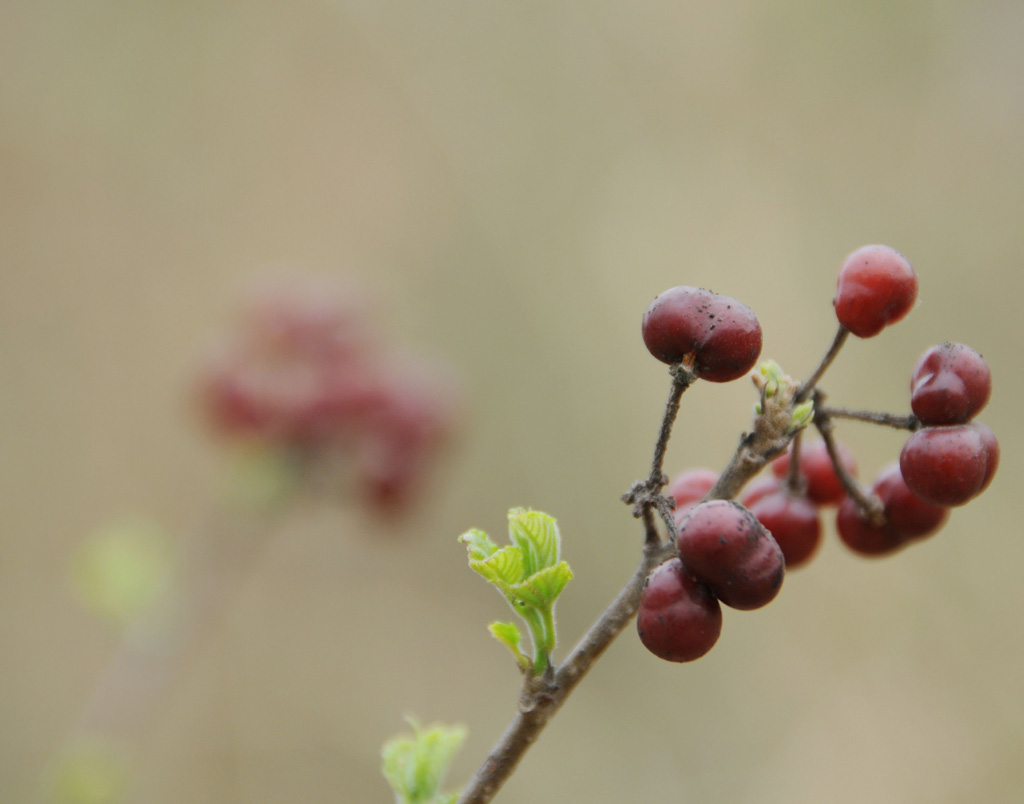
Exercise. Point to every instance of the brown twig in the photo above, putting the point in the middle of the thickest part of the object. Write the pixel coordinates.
(900, 422)
(868, 504)
(837, 343)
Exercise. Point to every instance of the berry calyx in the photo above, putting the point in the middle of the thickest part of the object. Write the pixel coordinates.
(877, 287)
(950, 384)
(718, 335)
(679, 618)
(725, 546)
(945, 465)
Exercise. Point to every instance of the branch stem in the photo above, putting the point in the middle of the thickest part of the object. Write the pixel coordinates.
(837, 343)
(904, 422)
(542, 696)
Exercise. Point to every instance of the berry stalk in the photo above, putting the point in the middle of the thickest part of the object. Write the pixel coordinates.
(837, 343)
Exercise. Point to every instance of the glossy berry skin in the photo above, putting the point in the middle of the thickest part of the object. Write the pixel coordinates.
(679, 618)
(792, 520)
(907, 517)
(823, 485)
(725, 546)
(877, 287)
(950, 384)
(988, 438)
(721, 336)
(945, 465)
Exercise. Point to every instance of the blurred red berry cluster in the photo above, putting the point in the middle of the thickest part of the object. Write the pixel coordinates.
(306, 371)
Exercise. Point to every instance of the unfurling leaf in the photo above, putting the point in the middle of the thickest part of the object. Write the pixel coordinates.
(415, 764)
(536, 535)
(504, 568)
(508, 634)
(541, 589)
(479, 544)
(529, 575)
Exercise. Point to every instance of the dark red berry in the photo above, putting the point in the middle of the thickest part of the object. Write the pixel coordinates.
(945, 465)
(691, 486)
(877, 287)
(823, 485)
(720, 335)
(679, 618)
(906, 517)
(950, 384)
(761, 486)
(725, 546)
(905, 512)
(792, 520)
(988, 438)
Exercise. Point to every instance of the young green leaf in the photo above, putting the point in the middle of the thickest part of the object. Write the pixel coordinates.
(504, 568)
(479, 544)
(415, 765)
(529, 575)
(536, 534)
(541, 589)
(508, 634)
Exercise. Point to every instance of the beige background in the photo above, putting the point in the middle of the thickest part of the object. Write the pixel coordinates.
(514, 181)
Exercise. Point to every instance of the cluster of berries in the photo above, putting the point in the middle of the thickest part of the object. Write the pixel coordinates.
(737, 552)
(946, 463)
(306, 372)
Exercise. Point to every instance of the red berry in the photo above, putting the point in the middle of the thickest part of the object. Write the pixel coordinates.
(792, 520)
(877, 287)
(823, 485)
(760, 487)
(720, 335)
(691, 486)
(907, 517)
(862, 535)
(945, 465)
(988, 438)
(950, 384)
(725, 546)
(679, 618)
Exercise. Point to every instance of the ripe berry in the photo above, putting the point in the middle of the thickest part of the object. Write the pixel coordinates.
(720, 335)
(907, 517)
(691, 486)
(945, 465)
(823, 485)
(791, 519)
(877, 287)
(950, 384)
(725, 546)
(988, 438)
(679, 618)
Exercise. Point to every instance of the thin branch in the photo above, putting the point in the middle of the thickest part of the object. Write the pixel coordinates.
(682, 378)
(770, 437)
(868, 504)
(906, 422)
(795, 482)
(646, 494)
(542, 696)
(837, 343)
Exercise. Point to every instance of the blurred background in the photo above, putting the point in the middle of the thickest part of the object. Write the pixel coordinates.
(510, 184)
